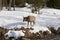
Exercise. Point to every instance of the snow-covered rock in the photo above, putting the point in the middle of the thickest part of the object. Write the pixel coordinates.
(15, 34)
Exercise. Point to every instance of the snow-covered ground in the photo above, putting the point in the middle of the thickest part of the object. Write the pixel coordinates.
(49, 17)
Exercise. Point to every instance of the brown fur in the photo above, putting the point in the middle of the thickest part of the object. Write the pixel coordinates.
(30, 19)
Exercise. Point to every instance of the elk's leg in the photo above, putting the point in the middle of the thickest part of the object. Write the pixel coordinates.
(31, 23)
(27, 24)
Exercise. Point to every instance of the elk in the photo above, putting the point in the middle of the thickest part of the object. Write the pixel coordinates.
(29, 19)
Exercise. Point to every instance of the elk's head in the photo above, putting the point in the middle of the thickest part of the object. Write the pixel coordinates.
(24, 19)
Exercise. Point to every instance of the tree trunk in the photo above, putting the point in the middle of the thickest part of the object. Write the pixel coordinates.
(6, 4)
(10, 2)
(0, 4)
(14, 5)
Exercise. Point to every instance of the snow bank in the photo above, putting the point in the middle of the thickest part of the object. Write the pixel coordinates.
(13, 18)
(39, 28)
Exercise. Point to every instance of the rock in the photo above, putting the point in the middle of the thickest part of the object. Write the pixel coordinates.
(32, 28)
(53, 31)
(22, 28)
(58, 31)
(25, 39)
